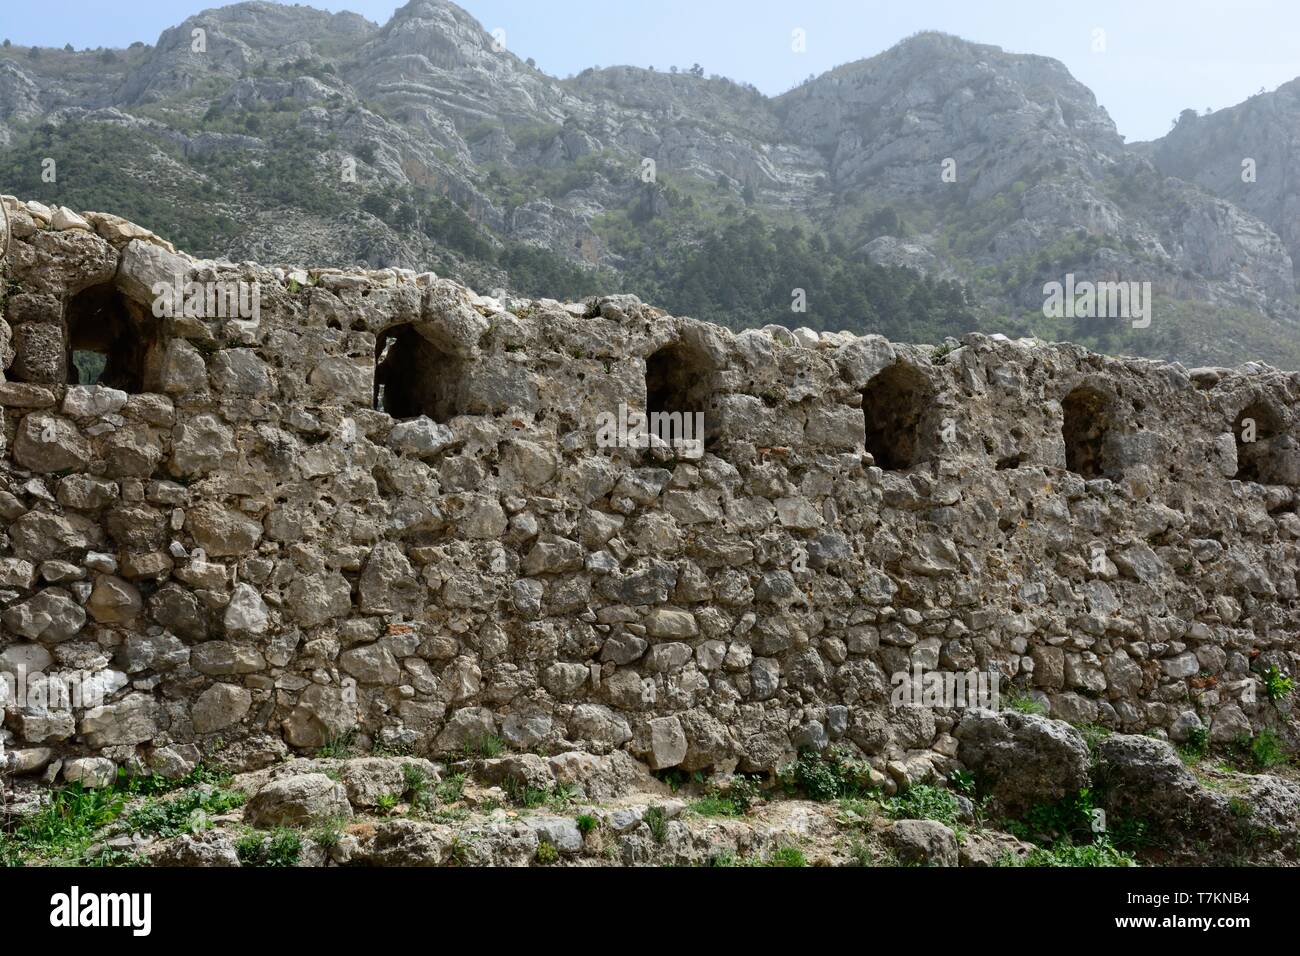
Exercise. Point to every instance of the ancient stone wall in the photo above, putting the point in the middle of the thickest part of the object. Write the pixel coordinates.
(251, 555)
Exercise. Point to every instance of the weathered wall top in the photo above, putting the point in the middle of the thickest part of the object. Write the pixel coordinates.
(297, 505)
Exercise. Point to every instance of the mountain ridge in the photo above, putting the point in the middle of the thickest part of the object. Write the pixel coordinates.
(468, 157)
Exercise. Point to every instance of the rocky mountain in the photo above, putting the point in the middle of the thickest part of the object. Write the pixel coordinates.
(929, 190)
(1248, 154)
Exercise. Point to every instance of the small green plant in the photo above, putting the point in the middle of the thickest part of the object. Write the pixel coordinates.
(451, 788)
(676, 778)
(826, 776)
(392, 748)
(1276, 684)
(1093, 734)
(547, 853)
(10, 853)
(744, 792)
(1023, 704)
(62, 829)
(1069, 818)
(657, 821)
(415, 779)
(526, 796)
(1131, 833)
(388, 802)
(855, 811)
(447, 816)
(735, 801)
(1196, 745)
(339, 746)
(1099, 853)
(459, 850)
(155, 784)
(1239, 808)
(277, 849)
(1266, 750)
(816, 777)
(66, 824)
(861, 853)
(586, 823)
(787, 856)
(923, 802)
(183, 814)
(558, 796)
(488, 746)
(111, 856)
(715, 804)
(424, 803)
(963, 782)
(328, 835)
(562, 796)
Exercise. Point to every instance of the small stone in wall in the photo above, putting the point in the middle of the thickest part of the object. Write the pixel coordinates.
(667, 743)
(114, 601)
(421, 437)
(93, 401)
(246, 614)
(50, 617)
(220, 706)
(132, 720)
(466, 727)
(671, 624)
(46, 443)
(222, 532)
(91, 772)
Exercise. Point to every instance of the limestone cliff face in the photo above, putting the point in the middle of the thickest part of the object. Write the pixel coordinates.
(936, 96)
(1215, 150)
(308, 503)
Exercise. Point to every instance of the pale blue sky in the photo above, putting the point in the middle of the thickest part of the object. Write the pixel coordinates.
(1161, 56)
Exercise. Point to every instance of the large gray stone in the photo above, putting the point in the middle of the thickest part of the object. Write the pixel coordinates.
(52, 616)
(1022, 760)
(298, 800)
(220, 706)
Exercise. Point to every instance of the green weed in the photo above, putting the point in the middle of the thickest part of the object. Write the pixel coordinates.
(279, 848)
(657, 821)
(923, 802)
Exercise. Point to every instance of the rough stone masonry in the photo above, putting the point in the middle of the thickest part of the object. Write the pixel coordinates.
(379, 510)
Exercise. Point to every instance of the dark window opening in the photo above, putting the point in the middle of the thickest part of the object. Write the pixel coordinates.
(679, 381)
(1258, 432)
(109, 340)
(414, 377)
(894, 404)
(1087, 424)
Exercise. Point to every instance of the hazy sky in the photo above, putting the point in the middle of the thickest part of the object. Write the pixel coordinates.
(1160, 56)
